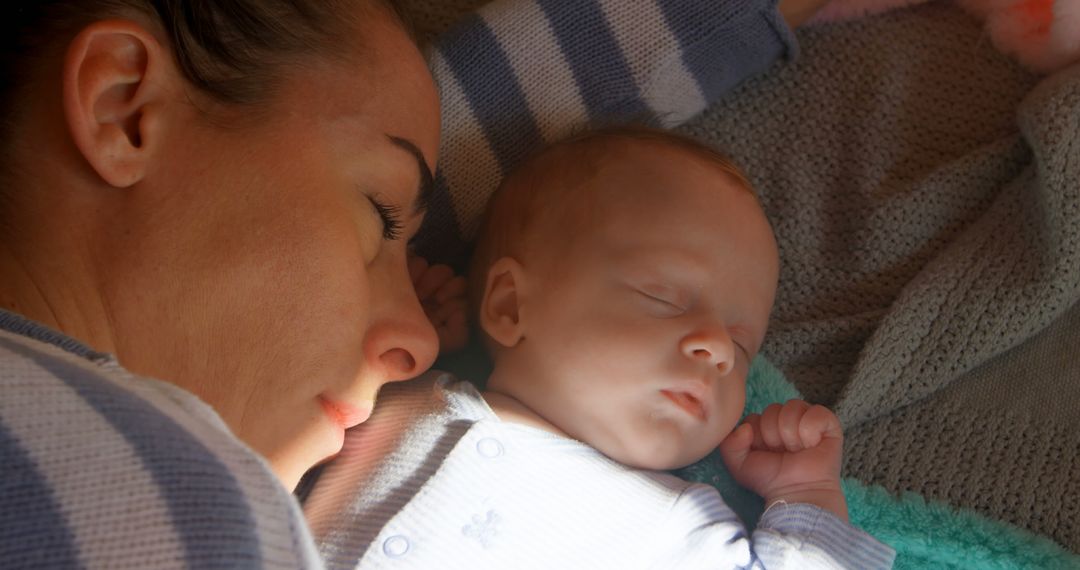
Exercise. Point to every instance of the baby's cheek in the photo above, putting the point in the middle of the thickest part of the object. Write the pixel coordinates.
(729, 411)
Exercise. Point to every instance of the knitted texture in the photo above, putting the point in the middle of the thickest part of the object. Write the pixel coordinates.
(429, 18)
(519, 74)
(1005, 465)
(905, 206)
(926, 205)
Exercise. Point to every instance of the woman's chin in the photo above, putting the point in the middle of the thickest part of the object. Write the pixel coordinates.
(322, 442)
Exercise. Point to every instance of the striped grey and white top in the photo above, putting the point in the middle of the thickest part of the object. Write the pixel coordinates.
(103, 469)
(435, 480)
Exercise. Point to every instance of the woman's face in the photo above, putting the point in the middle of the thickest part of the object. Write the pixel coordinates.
(266, 269)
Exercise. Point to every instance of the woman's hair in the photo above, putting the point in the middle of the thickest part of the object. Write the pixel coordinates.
(226, 48)
(232, 51)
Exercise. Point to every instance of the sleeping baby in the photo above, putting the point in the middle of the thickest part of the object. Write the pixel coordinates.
(623, 281)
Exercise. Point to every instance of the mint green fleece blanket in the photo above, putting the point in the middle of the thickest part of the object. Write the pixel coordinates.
(925, 534)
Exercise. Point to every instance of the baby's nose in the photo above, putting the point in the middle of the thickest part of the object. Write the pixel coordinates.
(712, 345)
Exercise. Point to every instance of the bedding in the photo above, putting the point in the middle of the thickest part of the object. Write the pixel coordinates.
(925, 534)
(924, 190)
(1043, 35)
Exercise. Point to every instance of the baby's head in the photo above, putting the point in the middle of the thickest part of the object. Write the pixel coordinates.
(624, 280)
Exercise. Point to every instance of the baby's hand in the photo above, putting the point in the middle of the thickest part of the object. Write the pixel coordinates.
(443, 297)
(797, 12)
(789, 453)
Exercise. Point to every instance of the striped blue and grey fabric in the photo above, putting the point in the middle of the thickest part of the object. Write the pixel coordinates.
(102, 469)
(519, 74)
(435, 480)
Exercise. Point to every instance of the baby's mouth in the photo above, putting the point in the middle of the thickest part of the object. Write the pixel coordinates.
(688, 402)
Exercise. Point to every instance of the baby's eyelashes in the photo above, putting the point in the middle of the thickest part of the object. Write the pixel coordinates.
(665, 300)
(742, 341)
(743, 350)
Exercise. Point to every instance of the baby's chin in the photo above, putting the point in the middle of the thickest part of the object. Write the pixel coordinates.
(661, 455)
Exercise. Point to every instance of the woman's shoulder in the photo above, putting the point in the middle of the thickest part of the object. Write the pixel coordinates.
(100, 468)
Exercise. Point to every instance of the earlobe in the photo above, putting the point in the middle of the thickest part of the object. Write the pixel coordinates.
(114, 77)
(500, 307)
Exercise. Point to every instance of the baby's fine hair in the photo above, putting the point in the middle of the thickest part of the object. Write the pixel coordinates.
(540, 190)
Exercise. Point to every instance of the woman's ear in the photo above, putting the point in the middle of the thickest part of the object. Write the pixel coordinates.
(500, 306)
(116, 80)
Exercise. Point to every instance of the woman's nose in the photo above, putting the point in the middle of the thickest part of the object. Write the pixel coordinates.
(402, 338)
(712, 345)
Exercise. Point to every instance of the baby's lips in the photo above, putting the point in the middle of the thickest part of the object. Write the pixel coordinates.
(688, 402)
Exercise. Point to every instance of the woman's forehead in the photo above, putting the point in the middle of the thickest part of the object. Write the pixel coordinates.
(384, 90)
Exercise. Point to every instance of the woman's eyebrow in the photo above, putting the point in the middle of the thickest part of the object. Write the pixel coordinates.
(427, 180)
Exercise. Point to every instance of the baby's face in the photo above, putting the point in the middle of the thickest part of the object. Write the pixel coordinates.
(643, 333)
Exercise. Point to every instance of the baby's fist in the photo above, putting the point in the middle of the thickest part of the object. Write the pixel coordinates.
(442, 295)
(791, 452)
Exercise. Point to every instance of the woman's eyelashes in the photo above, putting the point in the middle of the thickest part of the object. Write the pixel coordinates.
(391, 218)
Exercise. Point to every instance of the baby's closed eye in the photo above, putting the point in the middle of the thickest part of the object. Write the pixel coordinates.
(663, 300)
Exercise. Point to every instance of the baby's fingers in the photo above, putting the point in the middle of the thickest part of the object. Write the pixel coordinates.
(453, 333)
(417, 266)
(769, 428)
(435, 276)
(452, 289)
(819, 423)
(754, 421)
(790, 425)
(737, 446)
(447, 311)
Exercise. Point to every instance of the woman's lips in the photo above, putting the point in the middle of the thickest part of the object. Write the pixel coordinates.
(688, 402)
(345, 415)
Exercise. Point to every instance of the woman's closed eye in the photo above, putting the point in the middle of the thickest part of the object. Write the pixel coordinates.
(390, 216)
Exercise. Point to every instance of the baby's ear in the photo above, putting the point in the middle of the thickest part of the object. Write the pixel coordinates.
(500, 304)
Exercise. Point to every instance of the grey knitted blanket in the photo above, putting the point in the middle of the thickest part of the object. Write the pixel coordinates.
(925, 192)
(926, 199)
